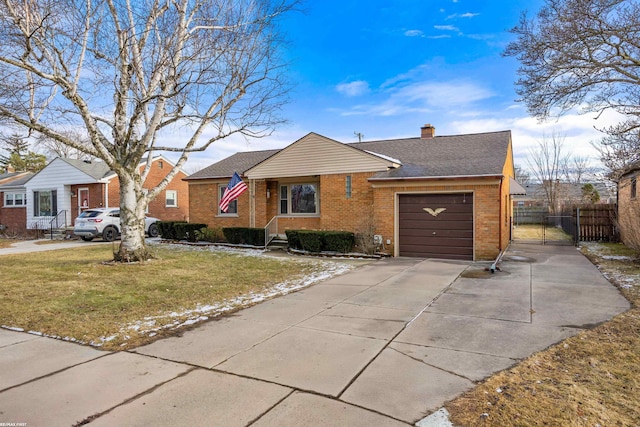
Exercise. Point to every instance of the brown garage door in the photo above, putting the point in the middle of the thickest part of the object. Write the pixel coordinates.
(436, 225)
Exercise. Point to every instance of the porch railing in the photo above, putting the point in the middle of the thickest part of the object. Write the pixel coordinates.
(59, 220)
(270, 231)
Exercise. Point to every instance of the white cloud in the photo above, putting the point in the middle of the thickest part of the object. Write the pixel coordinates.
(414, 33)
(446, 27)
(462, 15)
(355, 88)
(442, 36)
(405, 95)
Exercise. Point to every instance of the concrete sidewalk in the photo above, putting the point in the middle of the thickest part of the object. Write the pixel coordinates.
(42, 245)
(384, 345)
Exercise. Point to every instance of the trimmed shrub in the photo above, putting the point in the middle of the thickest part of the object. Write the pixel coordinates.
(321, 241)
(244, 235)
(338, 241)
(186, 231)
(293, 239)
(213, 235)
(310, 240)
(167, 229)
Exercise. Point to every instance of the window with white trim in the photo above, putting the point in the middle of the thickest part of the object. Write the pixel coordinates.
(15, 200)
(171, 199)
(299, 199)
(45, 203)
(233, 205)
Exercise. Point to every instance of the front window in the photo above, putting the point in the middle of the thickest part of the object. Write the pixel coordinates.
(299, 199)
(233, 205)
(15, 199)
(45, 203)
(171, 198)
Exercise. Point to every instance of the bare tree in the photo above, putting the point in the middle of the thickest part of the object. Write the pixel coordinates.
(582, 53)
(547, 165)
(522, 175)
(617, 152)
(55, 148)
(131, 72)
(579, 169)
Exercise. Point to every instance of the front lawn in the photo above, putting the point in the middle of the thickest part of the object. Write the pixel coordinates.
(591, 379)
(73, 294)
(5, 243)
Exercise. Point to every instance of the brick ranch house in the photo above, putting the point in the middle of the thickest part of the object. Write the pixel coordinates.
(67, 187)
(430, 196)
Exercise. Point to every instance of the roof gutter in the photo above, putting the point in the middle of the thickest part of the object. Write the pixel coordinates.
(187, 178)
(422, 178)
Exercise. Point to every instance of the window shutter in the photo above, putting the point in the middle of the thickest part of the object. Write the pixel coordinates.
(54, 202)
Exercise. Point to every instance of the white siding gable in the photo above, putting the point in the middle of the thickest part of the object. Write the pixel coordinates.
(317, 155)
(57, 175)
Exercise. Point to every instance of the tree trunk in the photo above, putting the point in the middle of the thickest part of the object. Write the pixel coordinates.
(132, 213)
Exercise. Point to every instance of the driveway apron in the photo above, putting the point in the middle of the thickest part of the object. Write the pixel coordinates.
(385, 344)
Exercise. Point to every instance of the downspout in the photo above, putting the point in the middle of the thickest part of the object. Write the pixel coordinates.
(494, 266)
(500, 215)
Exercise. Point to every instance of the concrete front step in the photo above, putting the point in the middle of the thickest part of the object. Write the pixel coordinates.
(278, 244)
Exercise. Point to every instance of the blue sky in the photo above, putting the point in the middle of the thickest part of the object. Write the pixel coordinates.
(385, 68)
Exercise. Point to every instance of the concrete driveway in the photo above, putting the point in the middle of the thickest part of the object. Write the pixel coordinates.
(384, 345)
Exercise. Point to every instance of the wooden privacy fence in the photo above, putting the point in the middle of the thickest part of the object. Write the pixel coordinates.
(596, 223)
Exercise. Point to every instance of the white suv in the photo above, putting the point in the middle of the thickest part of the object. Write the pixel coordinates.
(105, 222)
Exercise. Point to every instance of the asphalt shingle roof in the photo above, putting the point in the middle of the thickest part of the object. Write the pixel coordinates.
(26, 176)
(94, 169)
(239, 162)
(442, 156)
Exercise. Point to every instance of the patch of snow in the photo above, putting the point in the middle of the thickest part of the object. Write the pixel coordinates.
(440, 418)
(12, 328)
(617, 257)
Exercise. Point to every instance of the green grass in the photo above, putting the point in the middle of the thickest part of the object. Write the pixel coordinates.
(76, 294)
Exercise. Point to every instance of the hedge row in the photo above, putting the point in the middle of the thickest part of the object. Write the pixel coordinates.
(179, 230)
(244, 235)
(321, 241)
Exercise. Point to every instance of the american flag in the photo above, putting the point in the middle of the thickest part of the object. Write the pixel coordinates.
(235, 188)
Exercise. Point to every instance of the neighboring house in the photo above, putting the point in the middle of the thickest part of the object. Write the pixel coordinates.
(66, 187)
(431, 196)
(629, 206)
(13, 202)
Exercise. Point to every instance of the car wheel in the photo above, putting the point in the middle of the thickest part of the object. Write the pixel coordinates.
(87, 238)
(153, 230)
(109, 234)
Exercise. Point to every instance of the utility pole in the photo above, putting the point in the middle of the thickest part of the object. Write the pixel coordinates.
(359, 135)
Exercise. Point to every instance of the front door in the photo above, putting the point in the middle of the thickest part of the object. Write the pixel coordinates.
(83, 200)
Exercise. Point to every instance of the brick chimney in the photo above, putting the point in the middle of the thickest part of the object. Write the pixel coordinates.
(427, 132)
(10, 169)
